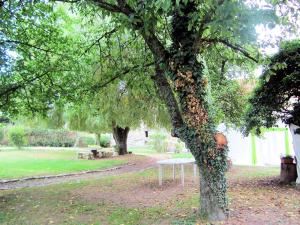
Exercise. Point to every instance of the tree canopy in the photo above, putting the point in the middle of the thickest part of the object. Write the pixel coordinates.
(33, 88)
(277, 95)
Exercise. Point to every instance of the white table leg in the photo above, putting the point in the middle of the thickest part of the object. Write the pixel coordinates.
(195, 170)
(173, 171)
(182, 175)
(160, 174)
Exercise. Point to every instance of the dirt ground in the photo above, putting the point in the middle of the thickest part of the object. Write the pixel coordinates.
(256, 201)
(263, 201)
(141, 195)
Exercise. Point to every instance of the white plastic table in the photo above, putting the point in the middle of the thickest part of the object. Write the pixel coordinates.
(173, 162)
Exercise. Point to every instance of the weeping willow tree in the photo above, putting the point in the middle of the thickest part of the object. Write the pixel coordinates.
(119, 93)
(119, 108)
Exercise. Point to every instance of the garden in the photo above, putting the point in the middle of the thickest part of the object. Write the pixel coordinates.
(149, 112)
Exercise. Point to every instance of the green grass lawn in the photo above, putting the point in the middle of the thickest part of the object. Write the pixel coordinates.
(32, 162)
(26, 163)
(182, 155)
(146, 150)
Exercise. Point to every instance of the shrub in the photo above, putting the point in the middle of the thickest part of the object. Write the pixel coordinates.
(159, 142)
(17, 136)
(52, 138)
(86, 141)
(179, 146)
(105, 140)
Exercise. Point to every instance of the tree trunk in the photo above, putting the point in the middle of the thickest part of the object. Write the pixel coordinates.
(213, 203)
(197, 130)
(120, 135)
(98, 136)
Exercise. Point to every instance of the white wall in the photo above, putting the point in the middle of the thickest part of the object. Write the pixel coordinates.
(269, 147)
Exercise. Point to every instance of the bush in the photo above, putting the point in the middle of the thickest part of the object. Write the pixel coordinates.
(158, 141)
(86, 141)
(105, 140)
(52, 138)
(179, 146)
(17, 136)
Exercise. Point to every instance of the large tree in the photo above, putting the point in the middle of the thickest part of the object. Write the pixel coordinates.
(180, 79)
(176, 37)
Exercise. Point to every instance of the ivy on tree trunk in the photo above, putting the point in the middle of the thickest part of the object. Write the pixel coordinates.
(190, 115)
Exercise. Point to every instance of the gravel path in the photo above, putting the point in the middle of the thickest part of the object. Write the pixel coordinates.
(136, 164)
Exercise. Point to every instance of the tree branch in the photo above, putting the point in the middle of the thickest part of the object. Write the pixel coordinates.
(126, 71)
(30, 45)
(108, 6)
(99, 39)
(2, 3)
(235, 47)
(7, 90)
(156, 47)
(68, 1)
(207, 18)
(150, 38)
(223, 68)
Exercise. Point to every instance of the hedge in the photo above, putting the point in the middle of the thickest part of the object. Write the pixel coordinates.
(52, 138)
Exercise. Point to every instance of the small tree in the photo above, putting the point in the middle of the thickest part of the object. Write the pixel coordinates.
(17, 136)
(277, 95)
